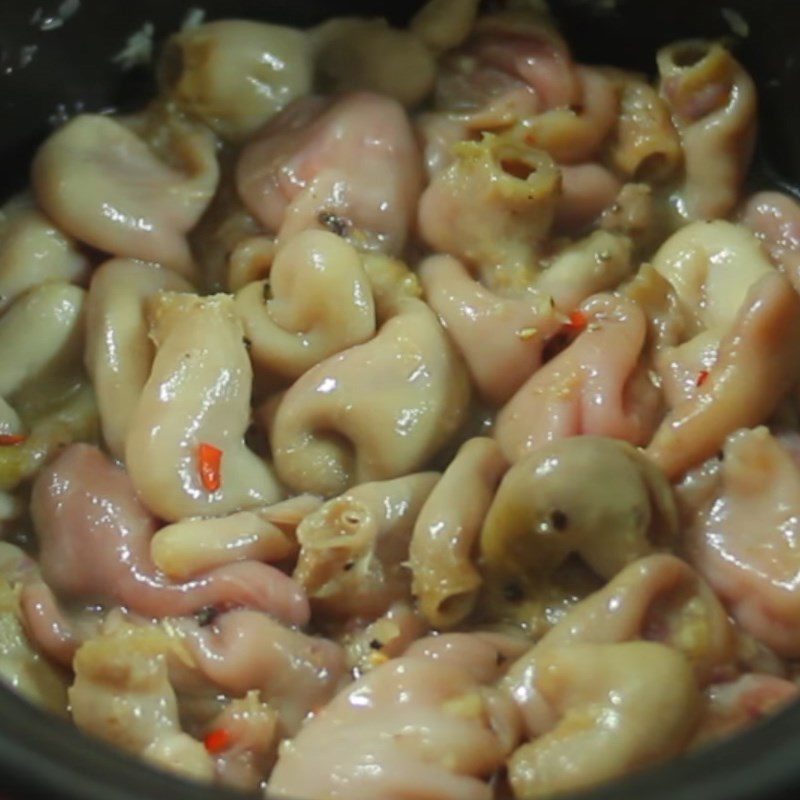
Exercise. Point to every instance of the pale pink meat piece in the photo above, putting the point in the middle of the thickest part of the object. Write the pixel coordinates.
(595, 386)
(245, 650)
(353, 159)
(94, 537)
(511, 69)
(587, 190)
(758, 363)
(410, 729)
(47, 625)
(575, 134)
(501, 339)
(733, 706)
(775, 219)
(745, 538)
(484, 654)
(536, 55)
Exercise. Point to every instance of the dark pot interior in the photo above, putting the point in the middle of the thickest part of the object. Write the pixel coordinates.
(49, 70)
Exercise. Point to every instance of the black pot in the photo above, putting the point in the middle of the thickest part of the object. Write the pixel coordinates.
(51, 68)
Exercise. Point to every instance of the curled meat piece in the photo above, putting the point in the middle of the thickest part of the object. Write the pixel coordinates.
(317, 302)
(94, 538)
(500, 339)
(713, 105)
(353, 551)
(775, 219)
(595, 264)
(246, 650)
(735, 705)
(598, 712)
(122, 693)
(46, 624)
(743, 538)
(250, 260)
(657, 598)
(193, 546)
(444, 543)
(33, 251)
(708, 269)
(368, 54)
(757, 365)
(525, 43)
(492, 208)
(119, 352)
(103, 185)
(434, 731)
(711, 266)
(377, 411)
(575, 134)
(44, 332)
(235, 74)
(624, 510)
(349, 163)
(197, 395)
(596, 386)
(644, 145)
(515, 65)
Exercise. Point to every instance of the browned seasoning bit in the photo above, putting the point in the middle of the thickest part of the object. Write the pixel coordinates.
(334, 223)
(206, 615)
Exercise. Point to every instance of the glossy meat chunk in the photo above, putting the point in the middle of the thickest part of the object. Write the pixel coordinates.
(94, 537)
(411, 728)
(350, 161)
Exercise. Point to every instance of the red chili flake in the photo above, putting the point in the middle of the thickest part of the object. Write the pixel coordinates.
(217, 740)
(577, 321)
(11, 438)
(702, 377)
(210, 458)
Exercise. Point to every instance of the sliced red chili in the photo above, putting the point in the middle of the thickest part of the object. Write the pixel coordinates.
(577, 321)
(217, 740)
(210, 463)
